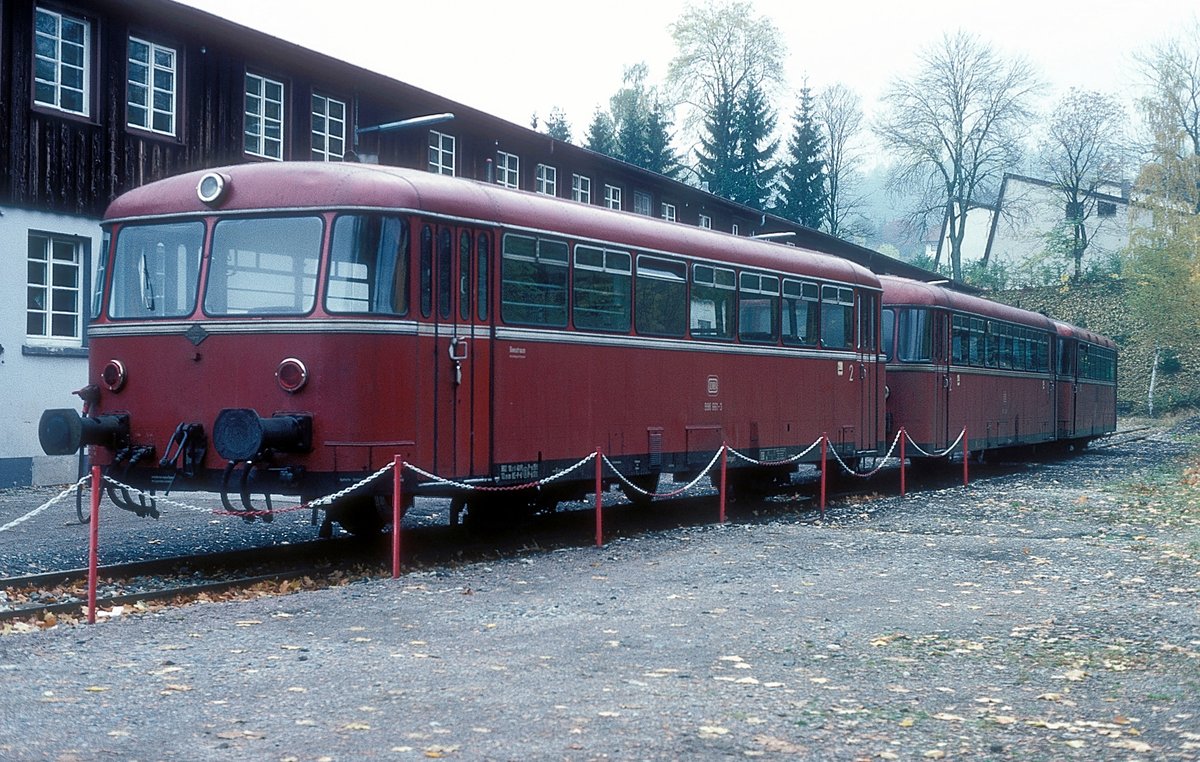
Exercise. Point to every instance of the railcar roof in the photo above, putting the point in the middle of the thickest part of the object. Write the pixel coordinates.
(318, 185)
(905, 291)
(1083, 334)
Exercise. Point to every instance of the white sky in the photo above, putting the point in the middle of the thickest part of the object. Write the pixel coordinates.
(518, 57)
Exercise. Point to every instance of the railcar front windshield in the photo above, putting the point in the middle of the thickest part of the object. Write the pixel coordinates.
(156, 270)
(264, 266)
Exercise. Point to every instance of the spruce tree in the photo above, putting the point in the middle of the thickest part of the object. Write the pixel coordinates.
(716, 156)
(802, 192)
(660, 157)
(601, 136)
(557, 125)
(755, 150)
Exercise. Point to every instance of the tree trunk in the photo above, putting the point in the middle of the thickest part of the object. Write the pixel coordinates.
(1153, 381)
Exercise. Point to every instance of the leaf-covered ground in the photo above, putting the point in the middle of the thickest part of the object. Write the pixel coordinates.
(1052, 613)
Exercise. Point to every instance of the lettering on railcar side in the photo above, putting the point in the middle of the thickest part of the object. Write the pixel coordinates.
(519, 471)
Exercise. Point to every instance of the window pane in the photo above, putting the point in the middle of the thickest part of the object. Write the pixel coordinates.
(156, 269)
(602, 289)
(534, 281)
(481, 275)
(661, 297)
(368, 265)
(264, 266)
(445, 267)
(914, 337)
(713, 296)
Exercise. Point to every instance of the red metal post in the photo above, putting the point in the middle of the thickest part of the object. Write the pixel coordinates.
(824, 468)
(903, 436)
(397, 511)
(599, 499)
(724, 470)
(93, 545)
(966, 456)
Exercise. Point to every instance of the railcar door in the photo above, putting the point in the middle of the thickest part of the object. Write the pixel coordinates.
(942, 414)
(871, 370)
(1066, 387)
(462, 348)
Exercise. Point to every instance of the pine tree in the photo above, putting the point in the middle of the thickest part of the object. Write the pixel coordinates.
(802, 193)
(755, 150)
(602, 137)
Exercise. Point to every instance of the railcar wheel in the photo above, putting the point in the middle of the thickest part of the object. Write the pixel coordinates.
(646, 482)
(362, 515)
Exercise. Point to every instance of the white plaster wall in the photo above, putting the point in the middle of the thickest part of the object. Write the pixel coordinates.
(31, 384)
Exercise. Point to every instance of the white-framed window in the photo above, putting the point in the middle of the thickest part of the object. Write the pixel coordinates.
(668, 212)
(151, 87)
(441, 153)
(328, 128)
(706, 222)
(581, 189)
(735, 230)
(264, 117)
(54, 302)
(641, 203)
(547, 180)
(612, 197)
(62, 62)
(508, 169)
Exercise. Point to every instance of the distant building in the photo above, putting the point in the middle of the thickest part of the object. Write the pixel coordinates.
(1016, 231)
(100, 96)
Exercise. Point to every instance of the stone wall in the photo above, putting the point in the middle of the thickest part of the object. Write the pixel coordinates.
(1101, 307)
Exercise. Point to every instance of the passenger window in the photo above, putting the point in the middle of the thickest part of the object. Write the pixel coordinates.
(977, 350)
(156, 270)
(603, 282)
(464, 276)
(481, 276)
(837, 317)
(866, 322)
(915, 340)
(801, 313)
(534, 281)
(660, 295)
(426, 271)
(445, 272)
(368, 265)
(758, 308)
(888, 329)
(960, 339)
(713, 295)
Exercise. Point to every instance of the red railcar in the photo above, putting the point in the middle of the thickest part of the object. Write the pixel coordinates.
(1008, 376)
(289, 328)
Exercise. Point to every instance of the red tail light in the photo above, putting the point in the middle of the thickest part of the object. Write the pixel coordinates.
(113, 376)
(291, 375)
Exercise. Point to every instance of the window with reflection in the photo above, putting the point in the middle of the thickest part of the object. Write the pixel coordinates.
(533, 289)
(837, 317)
(714, 292)
(156, 270)
(913, 336)
(660, 297)
(758, 308)
(264, 266)
(368, 265)
(603, 281)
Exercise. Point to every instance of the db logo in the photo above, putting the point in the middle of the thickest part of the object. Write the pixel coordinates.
(714, 386)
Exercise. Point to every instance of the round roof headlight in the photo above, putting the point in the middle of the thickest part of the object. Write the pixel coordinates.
(212, 188)
(291, 375)
(113, 375)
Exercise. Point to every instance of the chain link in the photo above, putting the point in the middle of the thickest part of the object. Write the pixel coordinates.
(789, 461)
(943, 453)
(621, 477)
(508, 488)
(46, 505)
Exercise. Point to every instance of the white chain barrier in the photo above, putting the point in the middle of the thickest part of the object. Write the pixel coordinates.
(943, 453)
(46, 505)
(507, 488)
(465, 486)
(789, 461)
(622, 478)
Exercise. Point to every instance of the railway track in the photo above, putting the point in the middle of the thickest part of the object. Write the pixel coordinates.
(35, 596)
(430, 546)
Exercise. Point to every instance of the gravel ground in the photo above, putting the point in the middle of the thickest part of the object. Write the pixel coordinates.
(1051, 613)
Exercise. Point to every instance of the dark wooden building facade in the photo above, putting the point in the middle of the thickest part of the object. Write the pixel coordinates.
(100, 96)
